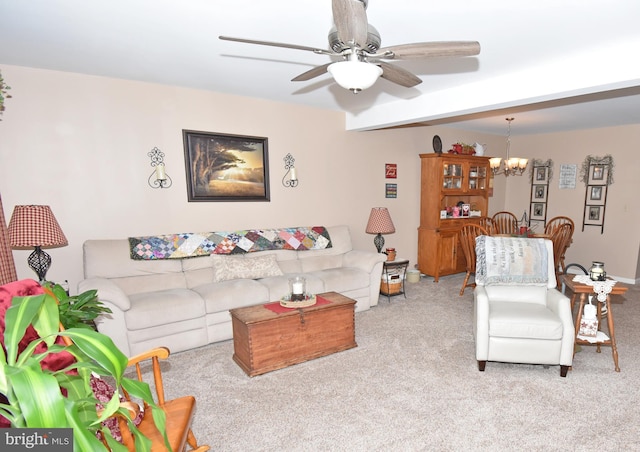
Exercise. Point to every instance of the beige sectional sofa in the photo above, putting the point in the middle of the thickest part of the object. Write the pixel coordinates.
(184, 303)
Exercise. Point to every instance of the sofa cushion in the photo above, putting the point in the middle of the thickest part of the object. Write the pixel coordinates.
(279, 285)
(287, 260)
(231, 294)
(163, 307)
(315, 263)
(226, 268)
(197, 271)
(523, 320)
(111, 259)
(341, 279)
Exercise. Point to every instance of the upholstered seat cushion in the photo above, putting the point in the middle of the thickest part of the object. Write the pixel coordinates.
(523, 320)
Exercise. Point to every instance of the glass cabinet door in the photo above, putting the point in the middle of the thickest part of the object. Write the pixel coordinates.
(477, 177)
(452, 176)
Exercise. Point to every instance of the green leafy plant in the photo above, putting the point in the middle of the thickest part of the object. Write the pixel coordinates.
(78, 311)
(3, 94)
(34, 395)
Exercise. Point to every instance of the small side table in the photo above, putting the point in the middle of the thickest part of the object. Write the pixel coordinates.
(584, 290)
(393, 276)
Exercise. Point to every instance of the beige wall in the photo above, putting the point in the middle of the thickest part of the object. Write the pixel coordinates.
(618, 245)
(79, 143)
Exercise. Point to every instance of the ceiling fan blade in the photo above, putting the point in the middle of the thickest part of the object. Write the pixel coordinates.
(431, 49)
(398, 75)
(277, 44)
(350, 19)
(316, 71)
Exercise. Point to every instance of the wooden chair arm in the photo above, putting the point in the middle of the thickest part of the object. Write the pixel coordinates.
(159, 352)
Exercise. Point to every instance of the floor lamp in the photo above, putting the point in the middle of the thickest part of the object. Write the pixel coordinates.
(37, 227)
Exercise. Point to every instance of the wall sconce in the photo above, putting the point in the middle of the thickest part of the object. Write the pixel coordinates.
(159, 178)
(292, 180)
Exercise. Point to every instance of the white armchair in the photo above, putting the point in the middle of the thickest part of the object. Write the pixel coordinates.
(519, 315)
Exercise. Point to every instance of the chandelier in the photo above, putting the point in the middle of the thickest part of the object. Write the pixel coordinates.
(512, 166)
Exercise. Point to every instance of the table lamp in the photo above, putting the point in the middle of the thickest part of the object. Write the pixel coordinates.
(380, 223)
(36, 226)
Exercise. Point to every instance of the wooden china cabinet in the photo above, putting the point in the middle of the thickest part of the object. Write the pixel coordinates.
(448, 180)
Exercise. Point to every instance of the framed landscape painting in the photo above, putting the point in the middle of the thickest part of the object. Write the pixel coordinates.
(221, 167)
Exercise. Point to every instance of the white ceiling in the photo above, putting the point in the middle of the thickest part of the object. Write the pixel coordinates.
(552, 64)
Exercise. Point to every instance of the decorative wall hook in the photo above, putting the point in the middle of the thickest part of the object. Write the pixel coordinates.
(292, 180)
(159, 178)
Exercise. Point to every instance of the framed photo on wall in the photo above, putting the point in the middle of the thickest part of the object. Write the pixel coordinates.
(541, 174)
(599, 174)
(540, 193)
(538, 211)
(391, 191)
(222, 167)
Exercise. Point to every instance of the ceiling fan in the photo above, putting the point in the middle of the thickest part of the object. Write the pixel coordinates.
(358, 43)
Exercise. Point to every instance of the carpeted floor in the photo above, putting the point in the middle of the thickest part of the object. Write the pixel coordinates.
(413, 384)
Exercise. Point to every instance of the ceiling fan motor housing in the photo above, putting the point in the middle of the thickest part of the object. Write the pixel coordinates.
(372, 45)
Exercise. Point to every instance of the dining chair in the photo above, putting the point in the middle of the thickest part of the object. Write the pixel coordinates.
(561, 238)
(468, 234)
(551, 227)
(487, 223)
(505, 223)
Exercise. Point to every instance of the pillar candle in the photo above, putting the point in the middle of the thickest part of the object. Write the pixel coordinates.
(160, 174)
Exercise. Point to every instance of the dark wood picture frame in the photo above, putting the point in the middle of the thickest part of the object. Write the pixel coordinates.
(223, 167)
(539, 211)
(540, 175)
(540, 193)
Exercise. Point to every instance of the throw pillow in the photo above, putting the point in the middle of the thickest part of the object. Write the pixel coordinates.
(226, 268)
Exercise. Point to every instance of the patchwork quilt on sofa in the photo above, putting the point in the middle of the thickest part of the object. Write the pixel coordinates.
(180, 246)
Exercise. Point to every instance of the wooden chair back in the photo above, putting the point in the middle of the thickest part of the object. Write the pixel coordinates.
(487, 223)
(553, 223)
(561, 238)
(179, 411)
(551, 228)
(505, 223)
(467, 236)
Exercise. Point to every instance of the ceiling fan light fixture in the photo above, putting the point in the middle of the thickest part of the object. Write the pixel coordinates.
(355, 75)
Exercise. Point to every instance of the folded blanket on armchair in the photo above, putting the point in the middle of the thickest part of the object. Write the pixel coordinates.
(511, 261)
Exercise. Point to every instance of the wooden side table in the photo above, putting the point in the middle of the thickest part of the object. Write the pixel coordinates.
(584, 290)
(393, 275)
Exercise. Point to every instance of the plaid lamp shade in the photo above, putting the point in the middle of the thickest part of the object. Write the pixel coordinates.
(380, 222)
(35, 226)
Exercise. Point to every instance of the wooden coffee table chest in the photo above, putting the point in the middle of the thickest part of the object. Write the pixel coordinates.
(264, 340)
